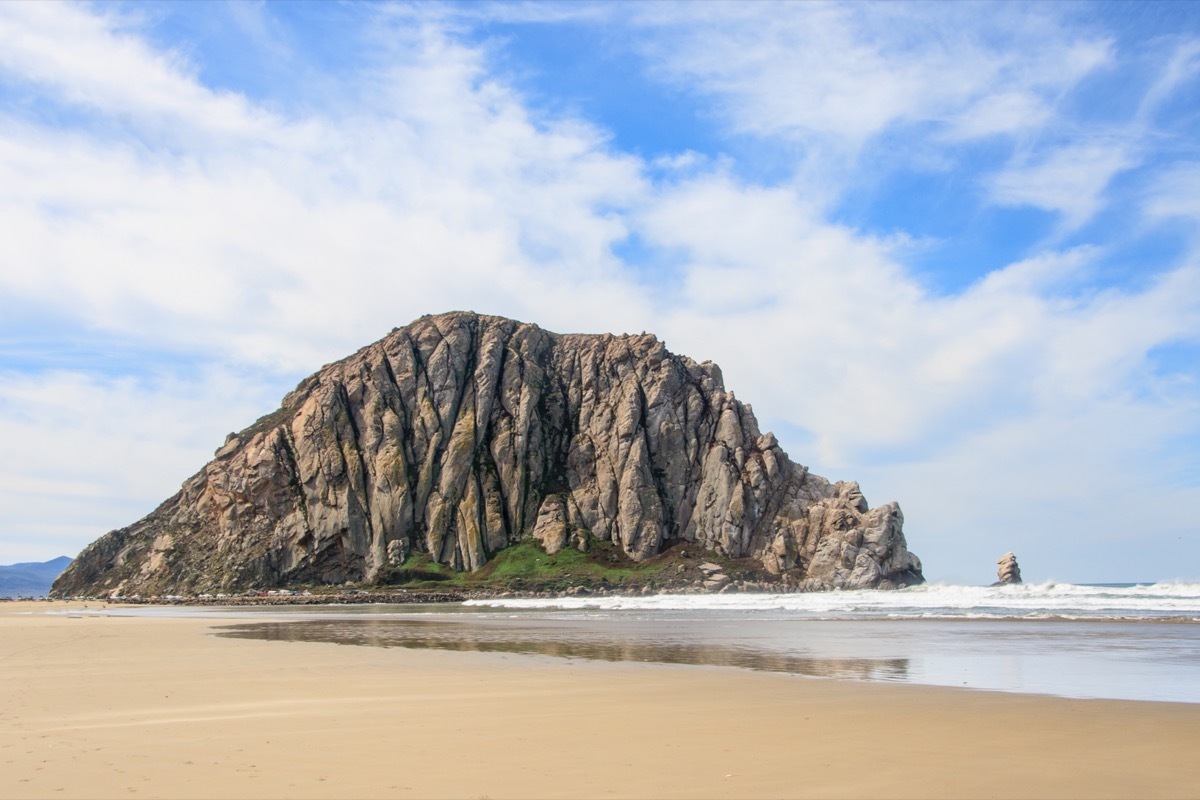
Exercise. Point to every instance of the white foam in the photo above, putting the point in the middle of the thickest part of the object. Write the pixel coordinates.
(1173, 600)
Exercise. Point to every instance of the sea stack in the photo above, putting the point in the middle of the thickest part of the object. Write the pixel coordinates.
(1007, 570)
(461, 434)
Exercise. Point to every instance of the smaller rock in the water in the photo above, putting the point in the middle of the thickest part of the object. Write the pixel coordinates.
(1007, 570)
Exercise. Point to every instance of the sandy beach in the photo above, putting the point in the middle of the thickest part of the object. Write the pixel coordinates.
(98, 706)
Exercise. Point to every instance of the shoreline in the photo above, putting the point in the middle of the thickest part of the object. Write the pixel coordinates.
(401, 596)
(107, 706)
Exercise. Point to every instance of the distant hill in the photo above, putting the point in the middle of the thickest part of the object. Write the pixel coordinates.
(31, 579)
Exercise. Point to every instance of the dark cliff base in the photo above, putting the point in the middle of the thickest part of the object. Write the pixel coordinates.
(526, 570)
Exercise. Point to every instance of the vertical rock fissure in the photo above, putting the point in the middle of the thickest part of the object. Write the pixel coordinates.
(356, 446)
(423, 379)
(402, 414)
(656, 471)
(522, 459)
(293, 467)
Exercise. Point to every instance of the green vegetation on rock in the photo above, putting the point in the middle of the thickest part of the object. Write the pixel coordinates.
(526, 567)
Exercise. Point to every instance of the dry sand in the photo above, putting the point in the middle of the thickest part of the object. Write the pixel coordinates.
(141, 707)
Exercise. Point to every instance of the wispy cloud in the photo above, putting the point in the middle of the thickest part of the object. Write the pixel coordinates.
(88, 452)
(1070, 180)
(92, 60)
(1174, 193)
(839, 75)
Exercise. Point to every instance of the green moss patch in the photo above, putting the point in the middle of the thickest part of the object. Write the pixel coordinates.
(525, 567)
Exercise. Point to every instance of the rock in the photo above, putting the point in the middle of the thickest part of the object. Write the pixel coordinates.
(1007, 570)
(716, 582)
(551, 527)
(397, 552)
(460, 435)
(230, 446)
(708, 566)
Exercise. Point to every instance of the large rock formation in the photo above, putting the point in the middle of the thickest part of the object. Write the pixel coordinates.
(461, 434)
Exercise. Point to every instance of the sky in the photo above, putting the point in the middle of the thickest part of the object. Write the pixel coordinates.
(948, 250)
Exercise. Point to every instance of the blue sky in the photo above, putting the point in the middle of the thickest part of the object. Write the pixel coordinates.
(951, 251)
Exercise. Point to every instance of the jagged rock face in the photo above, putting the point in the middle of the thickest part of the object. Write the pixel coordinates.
(461, 434)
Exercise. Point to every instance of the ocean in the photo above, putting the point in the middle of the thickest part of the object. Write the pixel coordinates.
(1114, 641)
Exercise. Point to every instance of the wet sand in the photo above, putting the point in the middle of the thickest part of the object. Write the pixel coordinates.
(158, 707)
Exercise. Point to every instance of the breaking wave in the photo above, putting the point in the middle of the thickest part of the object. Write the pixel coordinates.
(1178, 602)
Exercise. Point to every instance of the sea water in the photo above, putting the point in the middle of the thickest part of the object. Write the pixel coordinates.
(1112, 601)
(1117, 641)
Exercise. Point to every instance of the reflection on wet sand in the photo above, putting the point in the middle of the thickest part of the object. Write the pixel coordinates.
(565, 642)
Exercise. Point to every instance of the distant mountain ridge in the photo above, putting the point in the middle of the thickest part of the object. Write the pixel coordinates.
(31, 578)
(459, 435)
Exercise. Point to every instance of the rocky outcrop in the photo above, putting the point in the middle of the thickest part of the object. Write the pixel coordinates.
(461, 434)
(1007, 570)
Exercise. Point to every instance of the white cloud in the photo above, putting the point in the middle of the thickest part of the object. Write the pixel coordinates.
(87, 453)
(1012, 113)
(844, 73)
(1025, 377)
(1042, 273)
(90, 61)
(1083, 492)
(1182, 66)
(1174, 194)
(912, 87)
(1070, 180)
